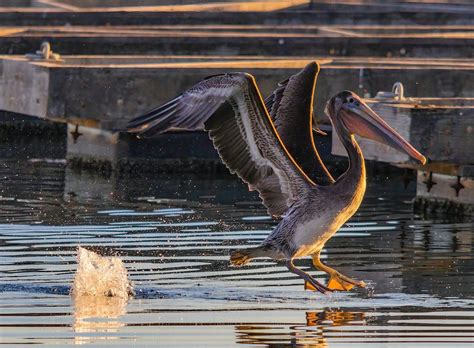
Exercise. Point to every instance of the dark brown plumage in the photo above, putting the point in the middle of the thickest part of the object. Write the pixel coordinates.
(291, 109)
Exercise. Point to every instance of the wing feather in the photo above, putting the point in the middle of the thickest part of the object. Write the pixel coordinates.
(272, 102)
(230, 108)
(291, 109)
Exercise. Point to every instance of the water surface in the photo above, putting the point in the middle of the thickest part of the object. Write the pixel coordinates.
(174, 235)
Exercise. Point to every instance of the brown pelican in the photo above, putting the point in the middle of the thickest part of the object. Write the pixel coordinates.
(270, 146)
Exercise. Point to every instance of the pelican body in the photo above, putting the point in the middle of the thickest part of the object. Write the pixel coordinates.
(270, 145)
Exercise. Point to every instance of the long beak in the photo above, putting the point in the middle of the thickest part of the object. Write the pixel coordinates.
(363, 121)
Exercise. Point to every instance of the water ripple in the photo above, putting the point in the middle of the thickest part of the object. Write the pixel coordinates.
(176, 246)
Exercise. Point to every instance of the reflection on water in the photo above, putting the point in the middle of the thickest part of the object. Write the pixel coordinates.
(97, 317)
(312, 333)
(174, 236)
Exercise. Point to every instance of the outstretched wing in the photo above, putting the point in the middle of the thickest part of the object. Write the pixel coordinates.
(291, 109)
(231, 109)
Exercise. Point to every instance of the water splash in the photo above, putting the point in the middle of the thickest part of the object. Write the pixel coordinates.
(100, 276)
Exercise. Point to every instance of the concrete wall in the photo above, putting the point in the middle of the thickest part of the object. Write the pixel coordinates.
(24, 88)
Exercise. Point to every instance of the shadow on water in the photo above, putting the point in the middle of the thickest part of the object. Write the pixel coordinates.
(174, 235)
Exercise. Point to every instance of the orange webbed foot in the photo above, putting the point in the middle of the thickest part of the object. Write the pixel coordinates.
(341, 283)
(322, 289)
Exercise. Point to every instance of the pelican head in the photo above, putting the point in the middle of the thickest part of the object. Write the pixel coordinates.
(356, 117)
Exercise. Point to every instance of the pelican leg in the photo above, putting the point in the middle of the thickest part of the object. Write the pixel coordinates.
(337, 281)
(310, 282)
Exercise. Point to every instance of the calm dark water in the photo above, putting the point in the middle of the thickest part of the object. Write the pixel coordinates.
(174, 235)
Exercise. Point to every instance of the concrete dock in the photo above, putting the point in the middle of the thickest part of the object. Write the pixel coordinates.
(129, 85)
(111, 61)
